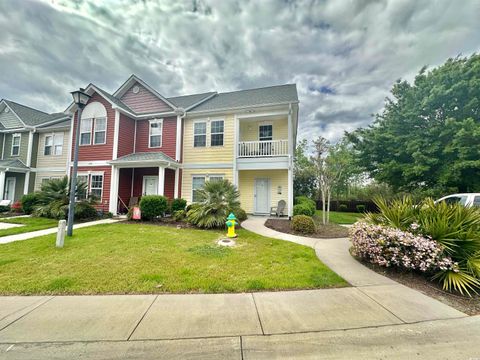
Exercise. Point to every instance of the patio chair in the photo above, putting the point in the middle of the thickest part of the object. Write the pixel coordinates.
(278, 210)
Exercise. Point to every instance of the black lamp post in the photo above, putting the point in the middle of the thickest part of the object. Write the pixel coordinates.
(80, 98)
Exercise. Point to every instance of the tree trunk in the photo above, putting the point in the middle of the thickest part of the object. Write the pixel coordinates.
(329, 195)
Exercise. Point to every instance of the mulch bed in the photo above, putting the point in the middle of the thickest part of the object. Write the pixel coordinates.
(465, 304)
(323, 231)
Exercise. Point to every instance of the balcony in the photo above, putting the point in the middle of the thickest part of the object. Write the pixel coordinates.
(256, 149)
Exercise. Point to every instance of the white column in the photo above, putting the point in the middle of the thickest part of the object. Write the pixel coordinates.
(2, 184)
(178, 140)
(116, 129)
(235, 150)
(290, 191)
(26, 183)
(177, 176)
(70, 146)
(161, 180)
(113, 202)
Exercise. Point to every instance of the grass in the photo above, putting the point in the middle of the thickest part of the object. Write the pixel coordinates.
(30, 224)
(338, 217)
(127, 258)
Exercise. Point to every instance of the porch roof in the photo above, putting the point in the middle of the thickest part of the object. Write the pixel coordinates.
(14, 164)
(142, 159)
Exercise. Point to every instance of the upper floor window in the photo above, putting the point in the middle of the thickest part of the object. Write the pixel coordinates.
(155, 135)
(93, 125)
(265, 132)
(216, 133)
(200, 134)
(100, 131)
(86, 131)
(16, 138)
(53, 144)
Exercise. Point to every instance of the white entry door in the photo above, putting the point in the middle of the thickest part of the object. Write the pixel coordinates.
(150, 185)
(9, 189)
(262, 196)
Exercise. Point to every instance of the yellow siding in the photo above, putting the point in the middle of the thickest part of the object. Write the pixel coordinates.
(187, 179)
(53, 161)
(208, 154)
(246, 179)
(249, 129)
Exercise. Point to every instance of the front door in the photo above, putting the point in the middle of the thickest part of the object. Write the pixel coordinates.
(150, 185)
(262, 196)
(9, 189)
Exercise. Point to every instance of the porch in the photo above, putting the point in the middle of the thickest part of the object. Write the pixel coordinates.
(136, 175)
(14, 180)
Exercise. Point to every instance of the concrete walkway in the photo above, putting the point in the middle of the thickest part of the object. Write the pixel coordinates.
(376, 318)
(34, 234)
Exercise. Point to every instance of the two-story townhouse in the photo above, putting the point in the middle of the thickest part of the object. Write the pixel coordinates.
(20, 131)
(137, 142)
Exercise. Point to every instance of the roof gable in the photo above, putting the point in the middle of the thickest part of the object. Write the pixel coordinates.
(8, 119)
(142, 100)
(28, 115)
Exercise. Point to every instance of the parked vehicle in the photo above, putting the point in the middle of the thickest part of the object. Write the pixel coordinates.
(466, 199)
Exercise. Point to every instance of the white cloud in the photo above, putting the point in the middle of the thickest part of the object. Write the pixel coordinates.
(343, 55)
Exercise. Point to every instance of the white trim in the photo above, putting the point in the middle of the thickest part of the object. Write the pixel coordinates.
(85, 132)
(178, 138)
(210, 133)
(290, 192)
(95, 131)
(176, 186)
(103, 184)
(236, 136)
(213, 111)
(93, 163)
(26, 182)
(29, 148)
(255, 197)
(2, 184)
(199, 121)
(3, 146)
(265, 163)
(258, 133)
(208, 166)
(70, 146)
(262, 114)
(161, 180)
(114, 181)
(53, 135)
(204, 176)
(143, 182)
(116, 131)
(19, 143)
(135, 138)
(14, 187)
(48, 169)
(150, 122)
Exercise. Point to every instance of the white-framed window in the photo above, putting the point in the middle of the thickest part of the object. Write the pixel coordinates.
(215, 177)
(100, 131)
(216, 132)
(198, 181)
(200, 134)
(86, 131)
(155, 133)
(48, 178)
(265, 132)
(53, 144)
(82, 179)
(16, 140)
(96, 185)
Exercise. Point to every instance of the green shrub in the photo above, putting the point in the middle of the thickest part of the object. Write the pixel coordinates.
(4, 209)
(179, 215)
(303, 209)
(240, 214)
(360, 208)
(29, 201)
(178, 204)
(216, 200)
(153, 206)
(455, 227)
(342, 207)
(306, 201)
(303, 224)
(85, 211)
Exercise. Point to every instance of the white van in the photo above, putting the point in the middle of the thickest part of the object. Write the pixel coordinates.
(466, 199)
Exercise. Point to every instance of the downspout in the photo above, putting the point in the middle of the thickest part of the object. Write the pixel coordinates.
(3, 146)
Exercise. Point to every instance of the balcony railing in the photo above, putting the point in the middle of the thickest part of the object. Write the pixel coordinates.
(262, 148)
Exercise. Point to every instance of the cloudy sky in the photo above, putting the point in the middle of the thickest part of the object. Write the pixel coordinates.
(343, 55)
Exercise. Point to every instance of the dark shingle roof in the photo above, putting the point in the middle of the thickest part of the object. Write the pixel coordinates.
(15, 163)
(28, 115)
(261, 96)
(185, 101)
(144, 156)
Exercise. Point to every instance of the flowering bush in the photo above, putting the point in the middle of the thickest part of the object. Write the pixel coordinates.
(17, 207)
(388, 247)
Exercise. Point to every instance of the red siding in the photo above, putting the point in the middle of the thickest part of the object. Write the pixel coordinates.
(126, 135)
(168, 137)
(144, 101)
(98, 152)
(103, 203)
(125, 186)
(169, 187)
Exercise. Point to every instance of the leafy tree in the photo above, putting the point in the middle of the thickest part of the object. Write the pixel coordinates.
(427, 137)
(304, 182)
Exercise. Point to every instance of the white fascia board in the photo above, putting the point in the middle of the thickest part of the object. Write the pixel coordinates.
(240, 108)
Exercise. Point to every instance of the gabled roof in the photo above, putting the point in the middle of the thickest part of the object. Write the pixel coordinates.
(142, 157)
(186, 101)
(28, 116)
(13, 164)
(271, 95)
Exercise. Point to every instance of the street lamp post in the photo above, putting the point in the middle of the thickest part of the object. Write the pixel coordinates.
(80, 98)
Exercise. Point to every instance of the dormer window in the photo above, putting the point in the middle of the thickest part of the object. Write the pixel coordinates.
(156, 130)
(16, 138)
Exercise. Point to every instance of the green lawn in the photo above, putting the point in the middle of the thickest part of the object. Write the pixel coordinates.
(339, 217)
(30, 224)
(127, 258)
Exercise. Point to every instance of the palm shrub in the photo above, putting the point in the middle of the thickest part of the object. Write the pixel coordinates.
(29, 201)
(216, 200)
(454, 227)
(54, 197)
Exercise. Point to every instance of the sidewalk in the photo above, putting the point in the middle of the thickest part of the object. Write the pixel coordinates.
(33, 234)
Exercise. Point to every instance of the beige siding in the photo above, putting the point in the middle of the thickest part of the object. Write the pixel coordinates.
(246, 179)
(189, 173)
(52, 161)
(208, 154)
(46, 175)
(249, 129)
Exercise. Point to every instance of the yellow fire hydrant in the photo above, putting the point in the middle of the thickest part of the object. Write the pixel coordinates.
(231, 222)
